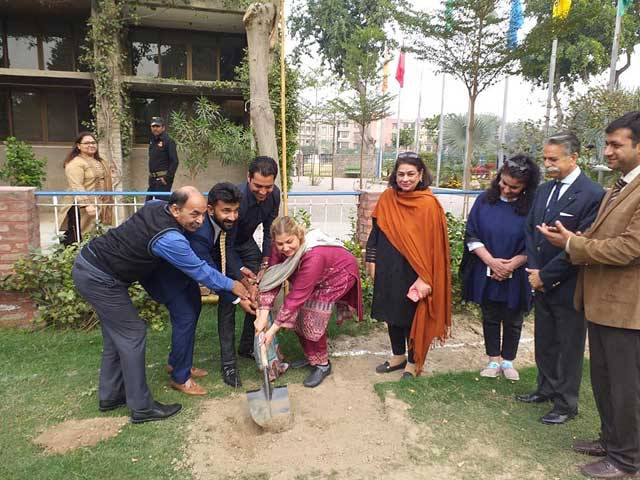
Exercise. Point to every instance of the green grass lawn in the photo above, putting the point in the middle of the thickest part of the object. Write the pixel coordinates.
(49, 376)
(471, 416)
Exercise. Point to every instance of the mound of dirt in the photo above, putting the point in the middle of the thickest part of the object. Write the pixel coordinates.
(79, 433)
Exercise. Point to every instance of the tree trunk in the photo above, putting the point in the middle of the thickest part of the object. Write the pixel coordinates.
(468, 151)
(623, 69)
(260, 22)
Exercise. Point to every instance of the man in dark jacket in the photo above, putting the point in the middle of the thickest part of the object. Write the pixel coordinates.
(560, 330)
(163, 158)
(106, 267)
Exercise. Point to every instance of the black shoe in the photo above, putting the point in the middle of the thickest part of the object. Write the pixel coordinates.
(387, 368)
(300, 363)
(317, 375)
(159, 411)
(533, 397)
(107, 405)
(557, 417)
(248, 353)
(231, 377)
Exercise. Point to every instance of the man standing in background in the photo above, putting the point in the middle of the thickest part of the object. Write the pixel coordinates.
(163, 159)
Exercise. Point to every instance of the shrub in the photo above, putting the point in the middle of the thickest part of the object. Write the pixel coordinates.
(46, 278)
(22, 168)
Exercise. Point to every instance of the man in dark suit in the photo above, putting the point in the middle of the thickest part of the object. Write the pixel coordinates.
(607, 290)
(560, 330)
(212, 243)
(260, 205)
(181, 295)
(163, 158)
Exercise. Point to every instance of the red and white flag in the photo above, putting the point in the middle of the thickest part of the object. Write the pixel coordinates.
(400, 70)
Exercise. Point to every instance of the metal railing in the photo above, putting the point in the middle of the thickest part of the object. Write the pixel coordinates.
(332, 212)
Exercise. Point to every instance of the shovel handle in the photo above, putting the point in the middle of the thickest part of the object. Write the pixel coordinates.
(263, 355)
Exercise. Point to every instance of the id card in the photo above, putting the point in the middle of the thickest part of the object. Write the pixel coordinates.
(490, 272)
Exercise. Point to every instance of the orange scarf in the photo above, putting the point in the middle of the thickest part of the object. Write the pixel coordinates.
(415, 224)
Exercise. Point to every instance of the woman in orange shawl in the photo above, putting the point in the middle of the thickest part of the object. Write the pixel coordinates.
(408, 258)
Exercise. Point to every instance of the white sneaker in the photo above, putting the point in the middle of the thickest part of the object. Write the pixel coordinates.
(509, 372)
(491, 371)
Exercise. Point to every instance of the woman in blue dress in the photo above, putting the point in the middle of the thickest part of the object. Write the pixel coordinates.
(493, 266)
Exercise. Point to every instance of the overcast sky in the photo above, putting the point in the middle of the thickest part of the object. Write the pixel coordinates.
(525, 101)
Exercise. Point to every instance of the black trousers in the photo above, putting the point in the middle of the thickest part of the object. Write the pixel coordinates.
(560, 333)
(155, 185)
(399, 337)
(124, 335)
(495, 315)
(615, 379)
(251, 257)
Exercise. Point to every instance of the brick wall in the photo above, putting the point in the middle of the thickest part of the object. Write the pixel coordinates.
(19, 232)
(366, 204)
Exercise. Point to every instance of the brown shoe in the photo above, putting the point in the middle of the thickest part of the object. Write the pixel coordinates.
(593, 448)
(189, 387)
(605, 469)
(195, 371)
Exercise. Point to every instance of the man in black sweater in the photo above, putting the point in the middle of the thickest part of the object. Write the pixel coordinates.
(106, 267)
(163, 158)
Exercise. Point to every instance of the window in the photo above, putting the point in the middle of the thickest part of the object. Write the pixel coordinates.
(40, 44)
(173, 61)
(43, 115)
(144, 54)
(184, 54)
(22, 44)
(231, 52)
(4, 113)
(147, 106)
(57, 48)
(26, 107)
(60, 125)
(344, 134)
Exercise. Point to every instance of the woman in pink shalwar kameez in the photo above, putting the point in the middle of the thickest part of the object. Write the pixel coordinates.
(321, 274)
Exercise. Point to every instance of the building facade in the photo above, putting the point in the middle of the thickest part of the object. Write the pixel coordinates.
(170, 56)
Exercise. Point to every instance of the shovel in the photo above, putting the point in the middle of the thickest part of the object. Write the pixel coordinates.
(269, 405)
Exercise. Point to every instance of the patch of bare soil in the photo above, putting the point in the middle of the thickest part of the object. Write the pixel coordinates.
(74, 434)
(341, 429)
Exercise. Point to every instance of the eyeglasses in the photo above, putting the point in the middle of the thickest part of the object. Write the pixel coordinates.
(516, 166)
(88, 143)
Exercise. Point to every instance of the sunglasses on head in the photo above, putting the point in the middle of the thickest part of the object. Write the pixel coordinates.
(411, 155)
(516, 166)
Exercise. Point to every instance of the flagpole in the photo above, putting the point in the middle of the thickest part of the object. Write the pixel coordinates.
(503, 125)
(552, 77)
(440, 133)
(615, 47)
(398, 126)
(416, 132)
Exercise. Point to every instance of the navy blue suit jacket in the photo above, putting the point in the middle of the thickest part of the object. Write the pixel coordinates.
(168, 281)
(576, 209)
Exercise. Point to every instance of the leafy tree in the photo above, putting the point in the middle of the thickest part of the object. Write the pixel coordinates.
(467, 40)
(584, 43)
(525, 137)
(21, 166)
(406, 137)
(365, 104)
(588, 114)
(208, 133)
(484, 135)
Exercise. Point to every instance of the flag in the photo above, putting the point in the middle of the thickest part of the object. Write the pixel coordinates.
(448, 15)
(400, 70)
(561, 9)
(515, 23)
(623, 5)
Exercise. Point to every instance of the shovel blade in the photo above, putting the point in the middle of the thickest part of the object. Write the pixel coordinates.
(264, 410)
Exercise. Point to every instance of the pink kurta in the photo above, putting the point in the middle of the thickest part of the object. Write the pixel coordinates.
(325, 276)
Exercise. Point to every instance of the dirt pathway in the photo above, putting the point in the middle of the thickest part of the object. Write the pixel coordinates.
(341, 429)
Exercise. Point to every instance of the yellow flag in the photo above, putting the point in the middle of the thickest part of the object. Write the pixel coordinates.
(561, 9)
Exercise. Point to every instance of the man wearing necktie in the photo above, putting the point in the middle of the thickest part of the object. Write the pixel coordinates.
(571, 197)
(608, 290)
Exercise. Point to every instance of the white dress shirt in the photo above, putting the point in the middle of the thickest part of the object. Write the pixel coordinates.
(566, 183)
